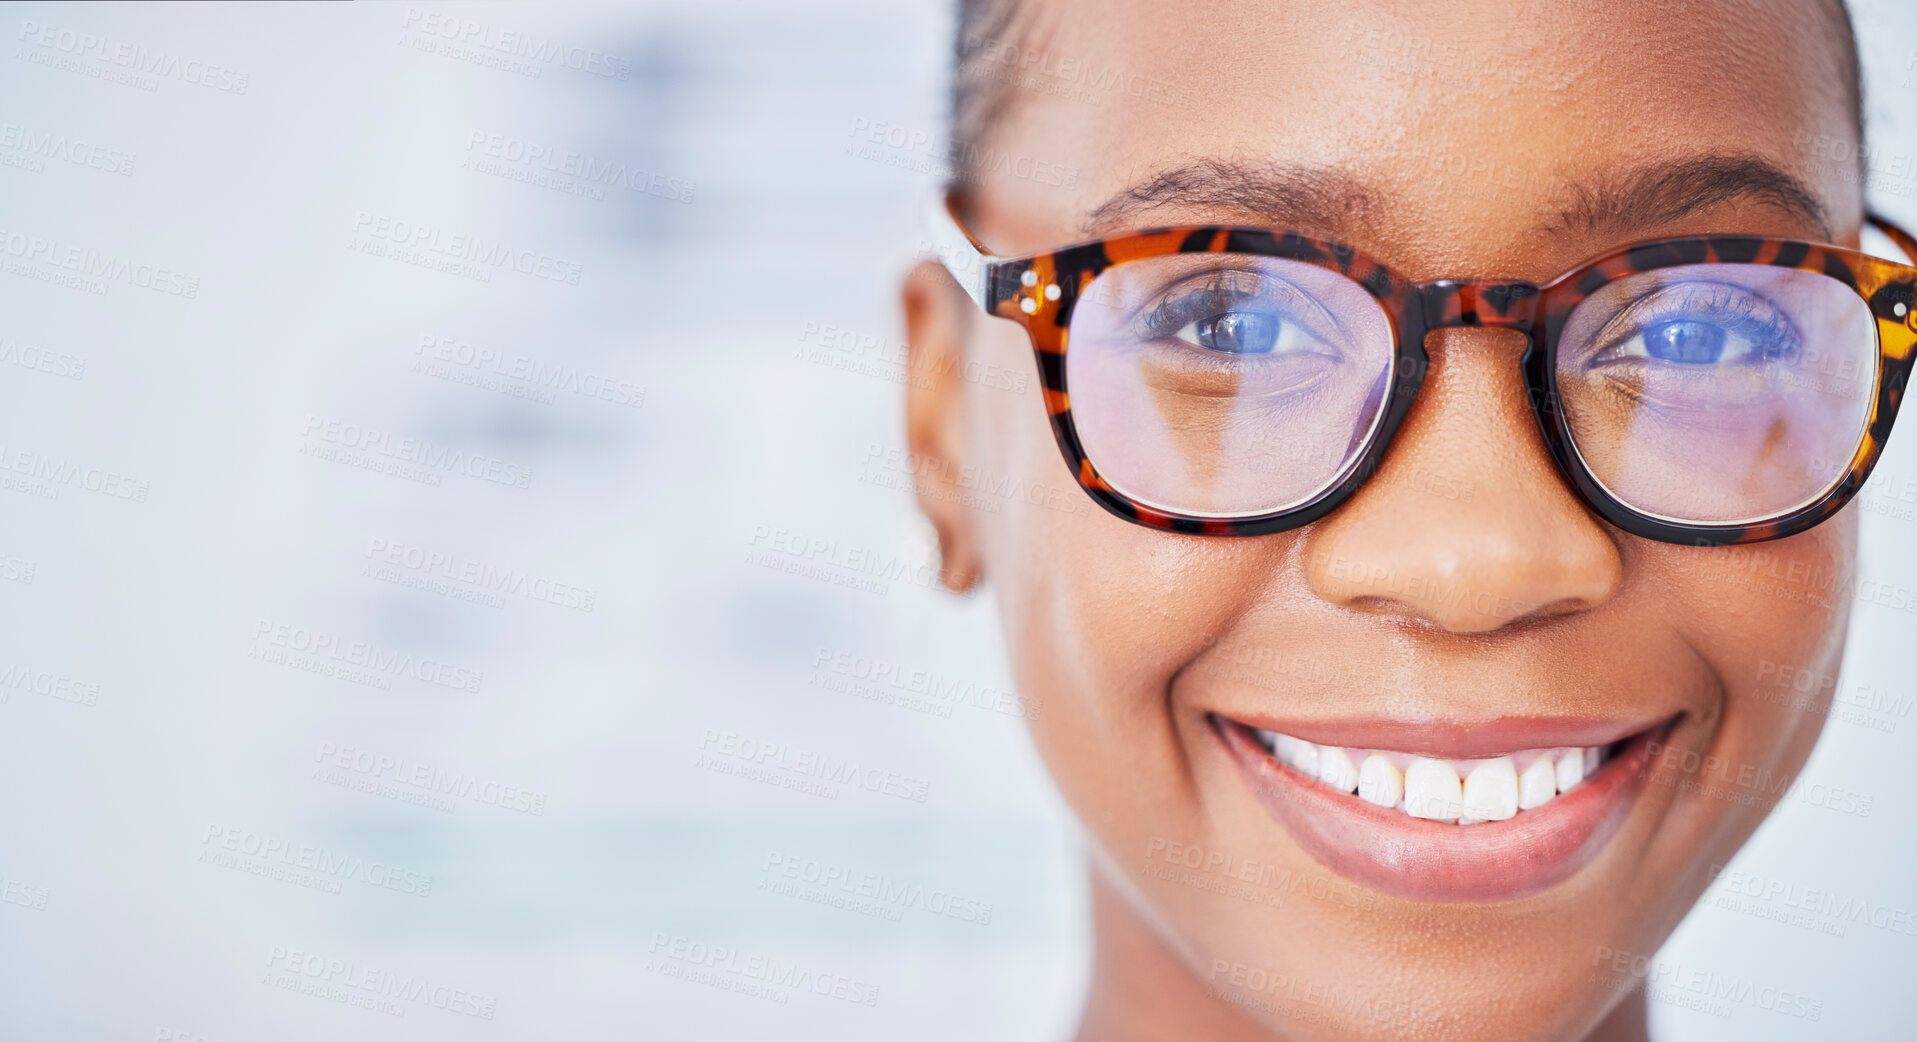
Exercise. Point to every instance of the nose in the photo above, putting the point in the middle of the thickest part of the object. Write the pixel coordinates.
(1467, 526)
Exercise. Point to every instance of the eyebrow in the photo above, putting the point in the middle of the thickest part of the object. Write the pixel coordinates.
(1660, 193)
(1324, 198)
(1309, 197)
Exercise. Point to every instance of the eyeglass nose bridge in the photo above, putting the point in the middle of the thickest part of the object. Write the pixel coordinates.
(1479, 302)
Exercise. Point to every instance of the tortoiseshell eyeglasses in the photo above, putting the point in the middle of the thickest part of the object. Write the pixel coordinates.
(1241, 381)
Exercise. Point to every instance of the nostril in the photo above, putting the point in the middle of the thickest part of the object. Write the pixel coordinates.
(1464, 570)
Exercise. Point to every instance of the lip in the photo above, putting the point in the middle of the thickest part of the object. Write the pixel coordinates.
(1397, 854)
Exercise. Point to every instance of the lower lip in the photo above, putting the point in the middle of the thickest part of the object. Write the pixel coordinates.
(1397, 854)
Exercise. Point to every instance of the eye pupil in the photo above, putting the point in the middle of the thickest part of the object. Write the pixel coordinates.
(1687, 343)
(1238, 333)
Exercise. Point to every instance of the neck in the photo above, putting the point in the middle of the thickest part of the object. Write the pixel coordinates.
(1142, 991)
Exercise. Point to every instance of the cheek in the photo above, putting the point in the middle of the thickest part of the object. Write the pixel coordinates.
(1011, 454)
(1764, 612)
(1770, 620)
(1099, 613)
(1788, 671)
(1058, 565)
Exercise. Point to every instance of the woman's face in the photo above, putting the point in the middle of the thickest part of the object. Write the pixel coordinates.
(1463, 605)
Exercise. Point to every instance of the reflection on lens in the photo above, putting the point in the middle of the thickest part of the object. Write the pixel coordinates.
(1225, 384)
(1718, 393)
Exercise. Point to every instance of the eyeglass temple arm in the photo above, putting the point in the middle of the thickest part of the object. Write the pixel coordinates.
(1904, 240)
(957, 250)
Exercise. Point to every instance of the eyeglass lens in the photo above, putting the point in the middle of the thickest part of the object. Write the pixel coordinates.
(1217, 384)
(1718, 393)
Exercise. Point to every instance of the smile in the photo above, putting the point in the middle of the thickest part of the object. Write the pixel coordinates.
(1460, 827)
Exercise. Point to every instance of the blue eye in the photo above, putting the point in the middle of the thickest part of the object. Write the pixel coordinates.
(1685, 342)
(1238, 332)
(1698, 326)
(1241, 317)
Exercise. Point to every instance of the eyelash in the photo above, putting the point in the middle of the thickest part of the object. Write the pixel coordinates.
(1736, 308)
(1178, 309)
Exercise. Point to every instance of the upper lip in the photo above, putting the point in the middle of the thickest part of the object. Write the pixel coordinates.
(1473, 739)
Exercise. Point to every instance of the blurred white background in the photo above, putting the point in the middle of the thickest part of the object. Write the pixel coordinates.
(376, 625)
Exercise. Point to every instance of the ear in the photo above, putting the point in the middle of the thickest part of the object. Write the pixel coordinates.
(938, 315)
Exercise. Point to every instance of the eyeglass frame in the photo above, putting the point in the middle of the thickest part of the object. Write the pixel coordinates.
(1039, 291)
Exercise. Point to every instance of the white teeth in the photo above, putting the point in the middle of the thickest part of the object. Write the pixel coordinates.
(1538, 784)
(1380, 781)
(1491, 790)
(1335, 769)
(1424, 787)
(1303, 757)
(1299, 754)
(1570, 769)
(1432, 790)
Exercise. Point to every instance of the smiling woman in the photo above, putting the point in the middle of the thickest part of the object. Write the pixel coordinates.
(1578, 262)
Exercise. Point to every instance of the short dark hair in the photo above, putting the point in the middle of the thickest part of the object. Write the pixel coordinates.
(978, 97)
(981, 95)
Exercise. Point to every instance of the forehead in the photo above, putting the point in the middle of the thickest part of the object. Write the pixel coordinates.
(1453, 113)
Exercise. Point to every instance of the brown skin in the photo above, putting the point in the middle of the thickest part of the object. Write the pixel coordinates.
(1128, 635)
